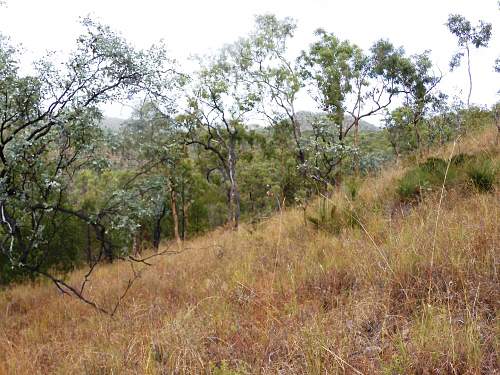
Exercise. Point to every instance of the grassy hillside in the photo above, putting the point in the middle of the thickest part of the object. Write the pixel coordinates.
(366, 281)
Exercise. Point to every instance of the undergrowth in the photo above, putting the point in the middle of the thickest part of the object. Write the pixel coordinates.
(465, 170)
(392, 275)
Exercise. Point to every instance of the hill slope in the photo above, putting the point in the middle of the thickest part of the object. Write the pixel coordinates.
(306, 119)
(112, 123)
(401, 288)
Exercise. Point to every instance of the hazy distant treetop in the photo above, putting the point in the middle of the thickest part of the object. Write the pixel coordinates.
(272, 34)
(478, 36)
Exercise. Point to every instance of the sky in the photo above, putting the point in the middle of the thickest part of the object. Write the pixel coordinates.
(191, 27)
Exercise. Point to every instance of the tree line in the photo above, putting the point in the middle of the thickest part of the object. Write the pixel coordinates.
(195, 155)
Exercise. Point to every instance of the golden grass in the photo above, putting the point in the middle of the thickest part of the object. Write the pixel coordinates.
(400, 293)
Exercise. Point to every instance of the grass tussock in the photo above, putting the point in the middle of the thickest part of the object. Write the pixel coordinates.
(369, 285)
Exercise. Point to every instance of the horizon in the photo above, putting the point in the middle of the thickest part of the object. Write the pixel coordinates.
(203, 28)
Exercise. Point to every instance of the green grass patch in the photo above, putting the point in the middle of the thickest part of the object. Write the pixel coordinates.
(476, 170)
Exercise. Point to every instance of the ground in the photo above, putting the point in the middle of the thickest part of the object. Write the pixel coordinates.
(402, 288)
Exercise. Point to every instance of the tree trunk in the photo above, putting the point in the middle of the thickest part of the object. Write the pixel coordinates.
(107, 250)
(183, 211)
(89, 247)
(356, 144)
(297, 135)
(470, 77)
(338, 175)
(496, 112)
(157, 228)
(186, 220)
(175, 217)
(137, 242)
(234, 194)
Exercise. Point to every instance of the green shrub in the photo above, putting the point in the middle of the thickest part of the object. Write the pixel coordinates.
(482, 173)
(352, 187)
(440, 171)
(413, 183)
(427, 176)
(462, 169)
(461, 159)
(332, 219)
(435, 166)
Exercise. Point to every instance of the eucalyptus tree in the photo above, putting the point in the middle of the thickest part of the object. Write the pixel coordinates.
(221, 100)
(419, 86)
(343, 79)
(399, 133)
(159, 155)
(49, 132)
(377, 78)
(278, 76)
(468, 36)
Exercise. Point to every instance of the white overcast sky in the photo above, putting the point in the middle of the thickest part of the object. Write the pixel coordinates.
(199, 26)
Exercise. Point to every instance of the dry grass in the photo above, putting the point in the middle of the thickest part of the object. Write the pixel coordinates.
(399, 293)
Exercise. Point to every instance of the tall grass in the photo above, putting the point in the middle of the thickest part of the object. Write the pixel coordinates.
(400, 292)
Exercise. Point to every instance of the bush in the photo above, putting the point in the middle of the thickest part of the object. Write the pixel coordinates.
(352, 187)
(461, 159)
(424, 177)
(463, 169)
(332, 219)
(435, 166)
(413, 183)
(427, 176)
(482, 173)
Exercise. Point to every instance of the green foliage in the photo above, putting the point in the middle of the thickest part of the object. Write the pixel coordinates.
(352, 186)
(460, 170)
(468, 36)
(478, 36)
(435, 128)
(482, 173)
(333, 218)
(426, 177)
(72, 193)
(413, 183)
(50, 135)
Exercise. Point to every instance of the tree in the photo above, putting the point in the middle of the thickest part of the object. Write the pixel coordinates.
(419, 88)
(341, 75)
(159, 154)
(278, 77)
(49, 132)
(376, 79)
(399, 132)
(468, 36)
(220, 103)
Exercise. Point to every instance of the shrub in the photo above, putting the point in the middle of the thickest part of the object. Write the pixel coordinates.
(412, 184)
(332, 218)
(435, 166)
(462, 169)
(352, 187)
(461, 159)
(482, 173)
(429, 175)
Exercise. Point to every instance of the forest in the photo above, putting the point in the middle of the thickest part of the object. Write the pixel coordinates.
(224, 150)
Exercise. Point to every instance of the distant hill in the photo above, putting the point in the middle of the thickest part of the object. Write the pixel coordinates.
(112, 123)
(306, 119)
